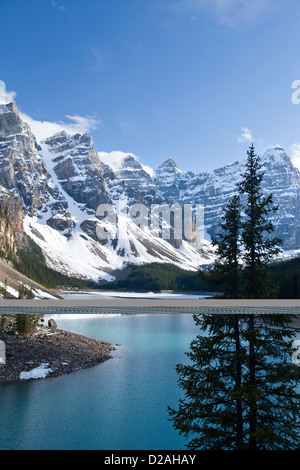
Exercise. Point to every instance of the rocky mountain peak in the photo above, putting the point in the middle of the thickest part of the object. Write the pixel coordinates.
(11, 122)
(9, 108)
(167, 177)
(169, 166)
(131, 163)
(22, 169)
(132, 181)
(77, 167)
(64, 142)
(276, 154)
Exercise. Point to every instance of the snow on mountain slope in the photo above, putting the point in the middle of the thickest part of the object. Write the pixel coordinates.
(61, 183)
(78, 212)
(69, 237)
(77, 256)
(82, 256)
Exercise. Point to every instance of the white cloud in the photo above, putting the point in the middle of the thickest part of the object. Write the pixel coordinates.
(295, 154)
(77, 125)
(148, 169)
(42, 129)
(6, 96)
(245, 136)
(83, 123)
(116, 158)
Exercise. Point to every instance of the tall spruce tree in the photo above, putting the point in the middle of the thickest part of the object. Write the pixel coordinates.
(258, 249)
(25, 324)
(240, 388)
(227, 268)
(244, 245)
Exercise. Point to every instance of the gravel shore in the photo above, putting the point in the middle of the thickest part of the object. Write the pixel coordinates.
(50, 352)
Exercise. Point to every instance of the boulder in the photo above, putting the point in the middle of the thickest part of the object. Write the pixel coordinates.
(52, 324)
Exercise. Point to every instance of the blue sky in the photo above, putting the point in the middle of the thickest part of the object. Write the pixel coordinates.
(193, 80)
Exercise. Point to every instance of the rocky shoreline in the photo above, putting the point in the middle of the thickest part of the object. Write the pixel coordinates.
(50, 352)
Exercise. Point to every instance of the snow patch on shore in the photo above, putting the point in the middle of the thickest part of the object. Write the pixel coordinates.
(37, 373)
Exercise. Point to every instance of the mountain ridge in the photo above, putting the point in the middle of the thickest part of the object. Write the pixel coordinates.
(61, 182)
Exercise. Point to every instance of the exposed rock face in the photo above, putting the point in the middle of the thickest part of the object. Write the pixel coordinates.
(22, 169)
(282, 179)
(133, 182)
(11, 208)
(7, 237)
(11, 223)
(78, 168)
(11, 122)
(168, 179)
(62, 221)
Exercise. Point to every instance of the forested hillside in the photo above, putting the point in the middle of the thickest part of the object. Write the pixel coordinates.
(287, 276)
(157, 277)
(31, 262)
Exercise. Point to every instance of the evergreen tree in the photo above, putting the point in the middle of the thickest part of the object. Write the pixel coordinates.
(25, 292)
(3, 321)
(21, 291)
(240, 387)
(226, 270)
(243, 249)
(25, 324)
(258, 249)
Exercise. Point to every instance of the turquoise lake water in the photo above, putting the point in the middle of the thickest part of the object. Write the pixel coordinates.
(118, 405)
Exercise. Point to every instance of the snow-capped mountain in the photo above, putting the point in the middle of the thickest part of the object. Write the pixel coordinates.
(22, 169)
(60, 184)
(214, 190)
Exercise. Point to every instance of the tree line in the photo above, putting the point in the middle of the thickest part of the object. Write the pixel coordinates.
(156, 277)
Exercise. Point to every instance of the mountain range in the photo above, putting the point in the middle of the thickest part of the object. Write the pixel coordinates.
(52, 190)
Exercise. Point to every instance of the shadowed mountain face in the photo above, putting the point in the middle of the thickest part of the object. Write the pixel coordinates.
(55, 189)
